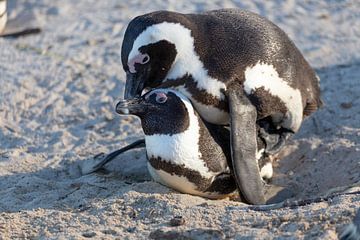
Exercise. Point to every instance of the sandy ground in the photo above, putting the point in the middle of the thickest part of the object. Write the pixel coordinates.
(57, 92)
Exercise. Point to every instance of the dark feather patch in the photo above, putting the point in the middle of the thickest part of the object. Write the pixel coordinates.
(266, 104)
(169, 118)
(222, 186)
(199, 95)
(310, 108)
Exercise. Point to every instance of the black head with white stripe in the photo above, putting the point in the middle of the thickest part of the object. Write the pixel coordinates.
(147, 54)
(161, 111)
(152, 45)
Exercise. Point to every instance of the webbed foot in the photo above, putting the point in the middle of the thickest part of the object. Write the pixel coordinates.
(274, 138)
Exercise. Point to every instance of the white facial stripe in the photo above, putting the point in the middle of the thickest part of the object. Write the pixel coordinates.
(264, 75)
(187, 60)
(181, 148)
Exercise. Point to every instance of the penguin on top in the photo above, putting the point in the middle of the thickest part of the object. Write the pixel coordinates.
(183, 151)
(237, 69)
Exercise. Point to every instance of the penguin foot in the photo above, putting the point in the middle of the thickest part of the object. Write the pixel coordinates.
(266, 172)
(274, 140)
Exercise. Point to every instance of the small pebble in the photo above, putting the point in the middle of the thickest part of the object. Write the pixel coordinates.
(346, 105)
(89, 234)
(131, 229)
(177, 221)
(109, 232)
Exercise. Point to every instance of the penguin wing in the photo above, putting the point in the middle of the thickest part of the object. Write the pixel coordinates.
(244, 145)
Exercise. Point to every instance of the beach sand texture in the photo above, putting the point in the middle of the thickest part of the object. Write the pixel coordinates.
(57, 96)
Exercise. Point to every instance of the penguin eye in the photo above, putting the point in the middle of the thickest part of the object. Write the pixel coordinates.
(161, 98)
(145, 59)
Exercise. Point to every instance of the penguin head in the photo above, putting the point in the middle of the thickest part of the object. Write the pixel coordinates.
(152, 44)
(147, 61)
(161, 111)
(148, 67)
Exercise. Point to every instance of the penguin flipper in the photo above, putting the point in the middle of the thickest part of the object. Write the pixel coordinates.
(99, 161)
(244, 146)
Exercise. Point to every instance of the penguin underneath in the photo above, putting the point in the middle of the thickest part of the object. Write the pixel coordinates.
(184, 152)
(236, 67)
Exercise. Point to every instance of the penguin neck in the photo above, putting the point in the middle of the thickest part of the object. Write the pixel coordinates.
(212, 109)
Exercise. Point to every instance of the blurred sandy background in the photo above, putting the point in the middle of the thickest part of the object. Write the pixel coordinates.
(57, 95)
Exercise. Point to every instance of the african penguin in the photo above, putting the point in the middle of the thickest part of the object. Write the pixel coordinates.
(3, 15)
(236, 67)
(184, 152)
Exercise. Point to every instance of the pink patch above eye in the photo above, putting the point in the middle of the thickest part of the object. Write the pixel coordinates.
(140, 58)
(161, 97)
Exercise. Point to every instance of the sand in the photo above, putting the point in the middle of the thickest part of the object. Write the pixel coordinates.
(57, 96)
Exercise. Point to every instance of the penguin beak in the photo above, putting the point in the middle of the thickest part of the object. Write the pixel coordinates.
(133, 106)
(134, 85)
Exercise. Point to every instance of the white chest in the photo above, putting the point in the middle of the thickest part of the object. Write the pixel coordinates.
(179, 149)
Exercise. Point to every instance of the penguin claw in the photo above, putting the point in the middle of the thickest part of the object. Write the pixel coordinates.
(271, 140)
(274, 141)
